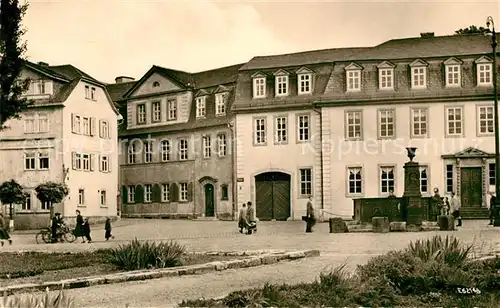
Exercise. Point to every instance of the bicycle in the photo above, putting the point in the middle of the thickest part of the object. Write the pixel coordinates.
(65, 235)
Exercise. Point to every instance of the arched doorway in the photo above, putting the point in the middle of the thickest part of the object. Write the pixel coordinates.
(209, 200)
(272, 196)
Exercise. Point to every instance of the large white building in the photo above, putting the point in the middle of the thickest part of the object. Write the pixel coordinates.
(68, 135)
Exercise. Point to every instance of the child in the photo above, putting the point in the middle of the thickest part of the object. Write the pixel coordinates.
(107, 227)
(86, 230)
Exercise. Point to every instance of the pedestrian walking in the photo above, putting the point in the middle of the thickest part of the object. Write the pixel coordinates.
(107, 228)
(78, 232)
(493, 201)
(310, 218)
(251, 220)
(4, 233)
(437, 204)
(455, 207)
(242, 218)
(86, 230)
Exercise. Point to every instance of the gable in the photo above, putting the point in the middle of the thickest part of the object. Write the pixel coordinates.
(386, 64)
(155, 83)
(258, 75)
(470, 152)
(353, 66)
(281, 72)
(304, 70)
(484, 59)
(418, 62)
(201, 92)
(222, 89)
(452, 61)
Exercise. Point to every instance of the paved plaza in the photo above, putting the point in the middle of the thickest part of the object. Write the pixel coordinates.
(353, 248)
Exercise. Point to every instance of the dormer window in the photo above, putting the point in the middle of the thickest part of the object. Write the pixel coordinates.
(156, 84)
(353, 77)
(201, 107)
(453, 72)
(304, 80)
(418, 74)
(484, 71)
(281, 84)
(259, 85)
(386, 76)
(40, 86)
(220, 104)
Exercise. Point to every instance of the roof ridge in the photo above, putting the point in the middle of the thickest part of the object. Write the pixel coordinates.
(430, 37)
(171, 69)
(314, 50)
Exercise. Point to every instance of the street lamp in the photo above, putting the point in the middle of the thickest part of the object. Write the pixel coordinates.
(490, 22)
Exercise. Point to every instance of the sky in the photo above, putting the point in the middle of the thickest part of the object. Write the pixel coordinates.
(110, 38)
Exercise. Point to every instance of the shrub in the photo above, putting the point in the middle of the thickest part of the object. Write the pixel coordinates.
(141, 255)
(37, 301)
(449, 250)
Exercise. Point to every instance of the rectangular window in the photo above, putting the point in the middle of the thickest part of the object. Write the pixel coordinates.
(454, 121)
(353, 80)
(44, 206)
(222, 144)
(40, 86)
(148, 151)
(103, 198)
(183, 192)
(103, 129)
(104, 164)
(303, 128)
(418, 78)
(86, 126)
(306, 182)
(141, 113)
(491, 174)
(156, 111)
(165, 150)
(26, 206)
(386, 123)
(183, 149)
(29, 124)
(87, 92)
(201, 107)
(281, 85)
(353, 125)
(43, 160)
(78, 161)
(220, 104)
(453, 75)
(486, 121)
(386, 179)
(280, 136)
(148, 193)
(165, 193)
(29, 161)
(259, 87)
(207, 147)
(81, 197)
(131, 153)
(419, 122)
(484, 74)
(449, 178)
(355, 180)
(131, 194)
(304, 83)
(76, 124)
(92, 94)
(260, 131)
(385, 78)
(86, 162)
(172, 109)
(43, 123)
(424, 179)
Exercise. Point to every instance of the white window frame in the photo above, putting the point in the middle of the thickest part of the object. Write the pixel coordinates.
(165, 192)
(207, 146)
(259, 87)
(92, 93)
(165, 150)
(222, 145)
(148, 193)
(358, 183)
(281, 85)
(357, 115)
(87, 92)
(487, 122)
(43, 155)
(416, 121)
(148, 151)
(201, 107)
(131, 154)
(425, 168)
(29, 123)
(386, 121)
(104, 163)
(30, 161)
(85, 162)
(353, 77)
(81, 197)
(419, 77)
(453, 133)
(104, 129)
(27, 204)
(86, 126)
(141, 113)
(156, 111)
(40, 87)
(183, 149)
(172, 109)
(385, 182)
(220, 104)
(78, 161)
(183, 192)
(303, 127)
(453, 75)
(103, 198)
(449, 171)
(260, 131)
(304, 83)
(281, 130)
(131, 194)
(487, 78)
(77, 125)
(43, 122)
(386, 79)
(44, 206)
(305, 182)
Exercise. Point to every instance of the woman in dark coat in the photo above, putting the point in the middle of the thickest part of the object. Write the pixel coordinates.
(79, 226)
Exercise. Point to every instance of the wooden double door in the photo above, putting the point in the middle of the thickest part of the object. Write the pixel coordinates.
(471, 186)
(272, 196)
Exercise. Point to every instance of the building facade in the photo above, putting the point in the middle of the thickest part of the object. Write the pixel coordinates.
(68, 135)
(176, 144)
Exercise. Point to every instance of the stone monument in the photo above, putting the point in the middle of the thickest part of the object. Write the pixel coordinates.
(412, 196)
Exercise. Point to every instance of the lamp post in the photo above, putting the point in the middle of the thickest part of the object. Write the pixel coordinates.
(490, 22)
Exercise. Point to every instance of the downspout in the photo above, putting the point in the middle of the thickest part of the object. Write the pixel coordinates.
(321, 154)
(233, 168)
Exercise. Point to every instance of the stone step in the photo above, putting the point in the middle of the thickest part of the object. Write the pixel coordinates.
(474, 213)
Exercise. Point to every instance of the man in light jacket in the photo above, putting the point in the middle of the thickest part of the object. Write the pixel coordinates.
(311, 219)
(455, 208)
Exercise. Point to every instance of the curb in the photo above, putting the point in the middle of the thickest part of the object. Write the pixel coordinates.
(254, 259)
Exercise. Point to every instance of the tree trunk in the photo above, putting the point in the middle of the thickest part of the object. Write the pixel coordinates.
(11, 215)
(51, 211)
(10, 212)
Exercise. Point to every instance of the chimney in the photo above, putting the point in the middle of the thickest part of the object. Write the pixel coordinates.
(122, 79)
(45, 64)
(426, 34)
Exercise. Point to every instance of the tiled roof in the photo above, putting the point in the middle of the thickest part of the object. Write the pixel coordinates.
(184, 78)
(219, 76)
(116, 90)
(71, 72)
(303, 58)
(46, 70)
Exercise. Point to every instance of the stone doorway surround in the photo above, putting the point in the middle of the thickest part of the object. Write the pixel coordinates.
(201, 197)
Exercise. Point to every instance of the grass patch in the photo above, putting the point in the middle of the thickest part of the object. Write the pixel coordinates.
(429, 273)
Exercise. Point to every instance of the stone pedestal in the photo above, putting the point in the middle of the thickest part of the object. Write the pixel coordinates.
(337, 225)
(412, 196)
(446, 223)
(380, 224)
(397, 226)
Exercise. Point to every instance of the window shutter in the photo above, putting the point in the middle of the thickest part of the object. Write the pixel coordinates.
(109, 163)
(100, 163)
(48, 87)
(174, 195)
(190, 191)
(92, 126)
(73, 160)
(72, 122)
(108, 130)
(100, 129)
(91, 161)
(124, 194)
(156, 193)
(139, 194)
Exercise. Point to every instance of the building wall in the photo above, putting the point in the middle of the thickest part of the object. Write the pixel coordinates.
(372, 152)
(287, 158)
(95, 181)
